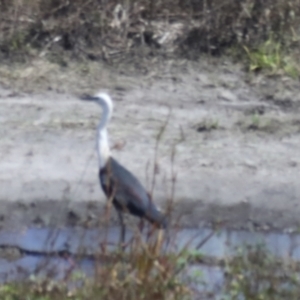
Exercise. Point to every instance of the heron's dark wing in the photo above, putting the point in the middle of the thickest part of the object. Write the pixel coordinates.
(127, 191)
(123, 186)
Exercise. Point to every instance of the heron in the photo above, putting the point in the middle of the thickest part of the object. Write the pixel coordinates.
(118, 184)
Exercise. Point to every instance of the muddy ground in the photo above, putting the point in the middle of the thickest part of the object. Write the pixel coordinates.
(236, 137)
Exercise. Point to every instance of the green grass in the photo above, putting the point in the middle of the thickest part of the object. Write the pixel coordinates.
(271, 57)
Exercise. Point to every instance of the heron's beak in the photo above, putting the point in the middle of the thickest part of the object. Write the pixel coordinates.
(88, 98)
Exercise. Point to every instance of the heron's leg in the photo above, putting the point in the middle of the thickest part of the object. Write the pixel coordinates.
(123, 228)
(141, 225)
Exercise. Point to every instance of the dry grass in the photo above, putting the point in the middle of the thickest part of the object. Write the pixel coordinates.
(250, 273)
(104, 29)
(143, 273)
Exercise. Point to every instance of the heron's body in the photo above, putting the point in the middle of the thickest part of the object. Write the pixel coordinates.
(127, 193)
(119, 185)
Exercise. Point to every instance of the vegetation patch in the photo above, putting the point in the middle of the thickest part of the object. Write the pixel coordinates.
(273, 58)
(143, 272)
(250, 273)
(110, 29)
(255, 274)
(269, 124)
(207, 125)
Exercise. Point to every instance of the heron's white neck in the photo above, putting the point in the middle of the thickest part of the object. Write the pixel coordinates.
(103, 147)
(102, 137)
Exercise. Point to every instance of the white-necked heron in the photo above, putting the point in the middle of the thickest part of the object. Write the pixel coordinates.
(120, 185)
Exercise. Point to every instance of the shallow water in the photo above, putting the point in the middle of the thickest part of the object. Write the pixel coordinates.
(221, 244)
(38, 246)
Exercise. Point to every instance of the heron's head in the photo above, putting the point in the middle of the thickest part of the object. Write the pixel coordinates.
(103, 99)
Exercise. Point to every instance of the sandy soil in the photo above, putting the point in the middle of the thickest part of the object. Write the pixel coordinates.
(236, 139)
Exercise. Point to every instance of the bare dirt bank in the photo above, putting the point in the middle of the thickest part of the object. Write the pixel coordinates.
(236, 139)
